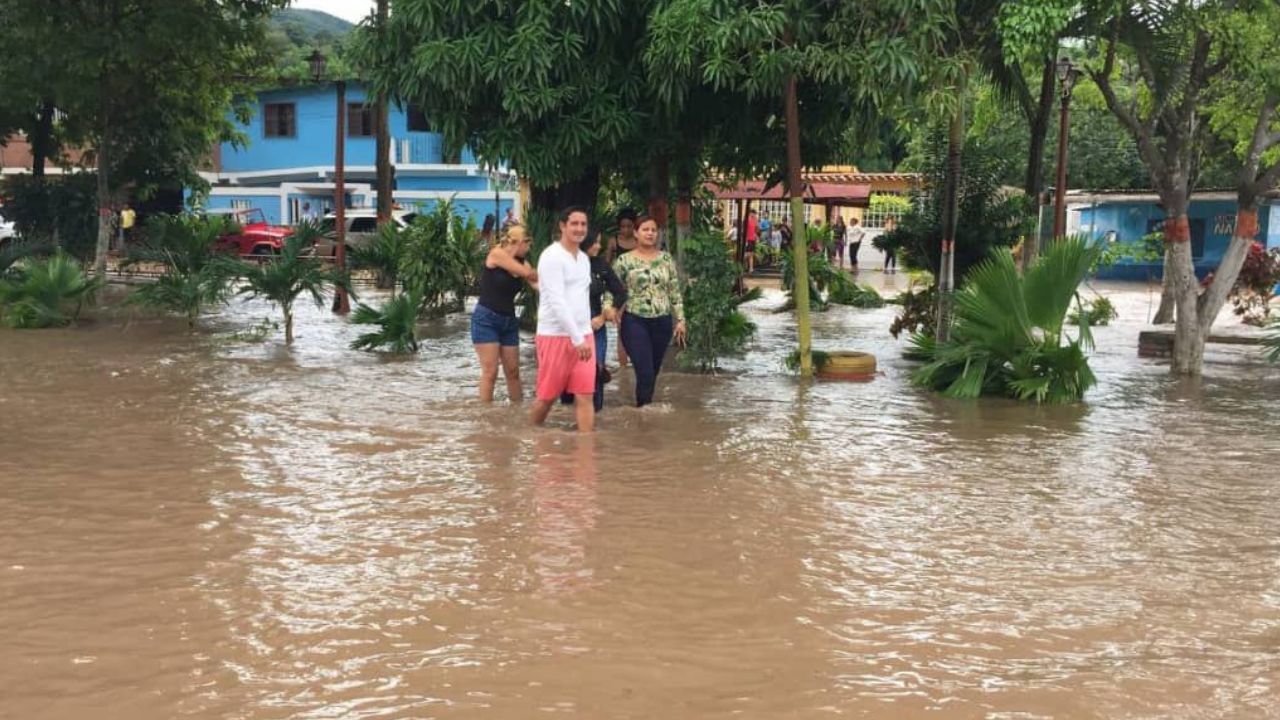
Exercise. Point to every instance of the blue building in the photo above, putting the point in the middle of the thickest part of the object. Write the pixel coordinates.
(1128, 215)
(286, 169)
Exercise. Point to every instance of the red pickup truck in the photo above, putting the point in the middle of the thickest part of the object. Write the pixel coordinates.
(254, 235)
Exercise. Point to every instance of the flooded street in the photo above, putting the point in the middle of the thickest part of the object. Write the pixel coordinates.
(207, 526)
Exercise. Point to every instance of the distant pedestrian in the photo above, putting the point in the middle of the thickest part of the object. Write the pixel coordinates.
(488, 230)
(854, 235)
(128, 218)
(654, 314)
(625, 241)
(495, 329)
(509, 219)
(784, 236)
(753, 235)
(837, 241)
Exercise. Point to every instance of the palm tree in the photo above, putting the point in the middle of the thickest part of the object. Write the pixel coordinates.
(397, 322)
(282, 278)
(196, 274)
(46, 293)
(1008, 338)
(383, 255)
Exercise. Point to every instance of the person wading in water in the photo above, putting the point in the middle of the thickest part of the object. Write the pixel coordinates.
(495, 329)
(655, 310)
(565, 342)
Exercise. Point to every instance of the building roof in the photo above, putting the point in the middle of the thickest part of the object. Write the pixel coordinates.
(817, 192)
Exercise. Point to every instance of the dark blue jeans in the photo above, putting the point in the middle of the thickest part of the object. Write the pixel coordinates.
(646, 341)
(602, 344)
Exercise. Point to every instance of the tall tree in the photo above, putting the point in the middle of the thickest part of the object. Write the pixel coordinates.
(1243, 112)
(553, 88)
(383, 119)
(1179, 50)
(144, 83)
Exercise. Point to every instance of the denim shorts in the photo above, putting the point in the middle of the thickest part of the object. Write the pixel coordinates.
(489, 327)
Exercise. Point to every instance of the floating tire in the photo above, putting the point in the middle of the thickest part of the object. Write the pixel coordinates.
(848, 365)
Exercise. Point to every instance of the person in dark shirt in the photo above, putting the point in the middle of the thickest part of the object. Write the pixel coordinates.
(495, 329)
(603, 280)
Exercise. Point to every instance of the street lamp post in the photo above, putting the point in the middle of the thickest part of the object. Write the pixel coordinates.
(341, 303)
(1067, 75)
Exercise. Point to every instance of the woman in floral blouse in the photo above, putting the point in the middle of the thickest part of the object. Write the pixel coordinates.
(654, 312)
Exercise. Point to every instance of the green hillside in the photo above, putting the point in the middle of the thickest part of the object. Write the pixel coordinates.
(305, 27)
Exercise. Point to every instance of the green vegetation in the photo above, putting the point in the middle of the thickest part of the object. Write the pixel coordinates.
(1095, 313)
(717, 327)
(45, 293)
(1008, 338)
(195, 274)
(442, 259)
(282, 278)
(397, 321)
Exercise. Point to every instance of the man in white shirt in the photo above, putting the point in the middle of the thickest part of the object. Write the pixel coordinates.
(565, 341)
(853, 237)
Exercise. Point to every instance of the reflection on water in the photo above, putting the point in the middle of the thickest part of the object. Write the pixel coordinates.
(199, 527)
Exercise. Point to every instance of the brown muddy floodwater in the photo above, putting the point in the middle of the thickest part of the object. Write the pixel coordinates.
(210, 527)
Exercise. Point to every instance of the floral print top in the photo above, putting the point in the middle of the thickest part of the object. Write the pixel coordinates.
(653, 286)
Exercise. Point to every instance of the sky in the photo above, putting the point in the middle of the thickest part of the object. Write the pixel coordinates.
(350, 10)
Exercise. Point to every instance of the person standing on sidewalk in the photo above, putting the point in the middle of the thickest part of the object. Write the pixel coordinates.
(565, 342)
(655, 310)
(853, 236)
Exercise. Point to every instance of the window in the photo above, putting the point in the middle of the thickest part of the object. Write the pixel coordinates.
(241, 204)
(418, 120)
(280, 120)
(361, 120)
(885, 207)
(364, 225)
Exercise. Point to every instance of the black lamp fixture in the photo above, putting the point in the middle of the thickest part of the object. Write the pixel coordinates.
(318, 63)
(1067, 74)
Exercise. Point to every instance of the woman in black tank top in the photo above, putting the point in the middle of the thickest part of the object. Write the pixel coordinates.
(495, 329)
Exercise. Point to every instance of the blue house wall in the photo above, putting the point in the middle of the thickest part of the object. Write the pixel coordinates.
(290, 178)
(1212, 223)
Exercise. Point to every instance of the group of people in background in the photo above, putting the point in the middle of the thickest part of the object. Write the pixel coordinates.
(634, 286)
(850, 236)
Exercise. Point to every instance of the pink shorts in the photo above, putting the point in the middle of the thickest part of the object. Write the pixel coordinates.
(560, 370)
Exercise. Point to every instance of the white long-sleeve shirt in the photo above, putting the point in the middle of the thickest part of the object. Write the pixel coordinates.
(564, 293)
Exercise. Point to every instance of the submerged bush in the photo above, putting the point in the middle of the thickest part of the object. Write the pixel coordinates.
(397, 321)
(46, 293)
(717, 328)
(1008, 336)
(196, 275)
(1094, 313)
(442, 259)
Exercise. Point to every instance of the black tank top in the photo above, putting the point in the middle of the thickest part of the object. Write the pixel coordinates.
(498, 290)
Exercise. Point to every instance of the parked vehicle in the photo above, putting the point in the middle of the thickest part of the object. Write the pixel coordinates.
(361, 225)
(253, 235)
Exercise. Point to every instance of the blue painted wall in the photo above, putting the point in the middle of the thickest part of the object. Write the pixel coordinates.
(313, 143)
(1212, 222)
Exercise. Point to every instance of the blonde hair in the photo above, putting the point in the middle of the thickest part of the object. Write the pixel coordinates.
(513, 234)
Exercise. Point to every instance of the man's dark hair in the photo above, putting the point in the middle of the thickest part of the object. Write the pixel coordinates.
(566, 212)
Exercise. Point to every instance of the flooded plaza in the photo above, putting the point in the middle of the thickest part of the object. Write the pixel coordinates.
(209, 526)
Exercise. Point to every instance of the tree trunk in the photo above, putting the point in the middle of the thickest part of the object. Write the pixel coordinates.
(659, 188)
(581, 191)
(106, 209)
(288, 326)
(1164, 313)
(684, 211)
(1033, 185)
(950, 213)
(1180, 280)
(383, 136)
(799, 243)
(42, 141)
(1224, 279)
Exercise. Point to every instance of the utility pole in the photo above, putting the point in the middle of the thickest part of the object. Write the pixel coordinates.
(384, 179)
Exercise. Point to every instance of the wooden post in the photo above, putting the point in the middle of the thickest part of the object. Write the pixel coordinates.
(341, 303)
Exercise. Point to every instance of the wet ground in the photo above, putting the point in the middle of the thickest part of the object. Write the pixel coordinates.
(214, 526)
